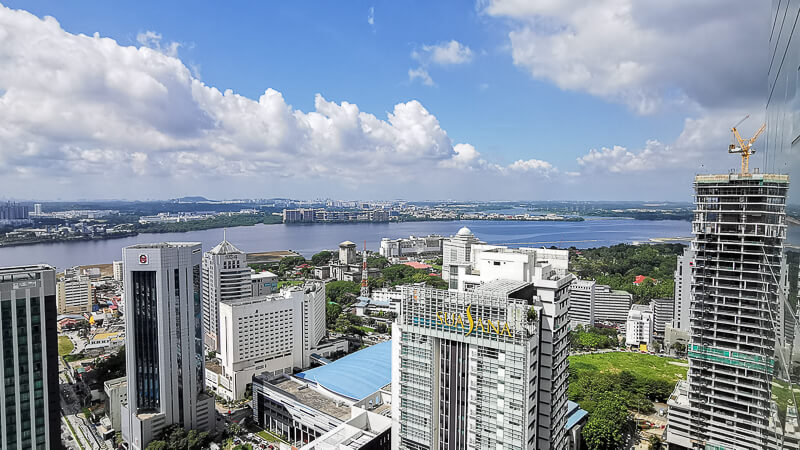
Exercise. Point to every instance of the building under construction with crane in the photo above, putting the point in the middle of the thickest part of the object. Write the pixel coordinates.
(739, 230)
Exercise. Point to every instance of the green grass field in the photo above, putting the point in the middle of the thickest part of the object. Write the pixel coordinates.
(65, 346)
(641, 364)
(266, 435)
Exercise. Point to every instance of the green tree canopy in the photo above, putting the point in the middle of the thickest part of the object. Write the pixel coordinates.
(605, 429)
(322, 258)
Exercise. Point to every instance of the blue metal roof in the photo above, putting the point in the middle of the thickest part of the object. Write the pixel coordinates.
(574, 415)
(358, 374)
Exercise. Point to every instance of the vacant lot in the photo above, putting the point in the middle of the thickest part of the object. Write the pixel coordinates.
(640, 364)
(65, 346)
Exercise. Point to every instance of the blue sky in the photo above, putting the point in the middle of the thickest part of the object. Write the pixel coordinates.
(514, 97)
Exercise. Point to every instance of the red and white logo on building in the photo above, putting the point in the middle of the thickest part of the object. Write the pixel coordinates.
(142, 259)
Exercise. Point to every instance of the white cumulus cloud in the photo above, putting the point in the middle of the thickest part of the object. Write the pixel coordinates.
(420, 74)
(643, 53)
(444, 53)
(92, 116)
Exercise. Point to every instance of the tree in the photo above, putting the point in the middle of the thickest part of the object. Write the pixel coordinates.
(322, 258)
(377, 262)
(532, 315)
(332, 312)
(605, 429)
(290, 262)
(342, 292)
(655, 442)
(381, 327)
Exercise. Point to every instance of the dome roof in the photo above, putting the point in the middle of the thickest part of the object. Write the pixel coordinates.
(347, 244)
(464, 231)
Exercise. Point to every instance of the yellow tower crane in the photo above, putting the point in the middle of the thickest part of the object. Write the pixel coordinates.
(745, 146)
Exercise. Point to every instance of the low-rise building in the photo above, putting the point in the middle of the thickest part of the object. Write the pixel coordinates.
(306, 406)
(412, 246)
(364, 431)
(263, 283)
(639, 326)
(117, 395)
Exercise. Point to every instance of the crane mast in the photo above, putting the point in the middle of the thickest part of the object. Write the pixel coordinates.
(364, 274)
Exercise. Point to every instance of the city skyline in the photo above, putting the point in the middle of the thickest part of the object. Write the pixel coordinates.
(467, 100)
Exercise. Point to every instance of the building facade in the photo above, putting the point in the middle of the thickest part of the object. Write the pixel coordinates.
(683, 289)
(474, 267)
(263, 283)
(74, 293)
(639, 326)
(29, 396)
(611, 306)
(226, 276)
(118, 270)
(739, 230)
(663, 315)
(456, 255)
(411, 246)
(581, 302)
(466, 370)
(269, 335)
(164, 342)
(116, 391)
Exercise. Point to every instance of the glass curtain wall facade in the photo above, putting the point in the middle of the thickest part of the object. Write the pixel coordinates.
(782, 155)
(29, 398)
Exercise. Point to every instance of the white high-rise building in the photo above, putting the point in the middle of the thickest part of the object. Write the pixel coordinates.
(226, 276)
(456, 254)
(683, 289)
(118, 270)
(461, 370)
(74, 293)
(639, 327)
(581, 302)
(164, 342)
(437, 362)
(269, 334)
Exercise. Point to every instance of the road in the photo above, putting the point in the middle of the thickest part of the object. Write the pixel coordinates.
(85, 432)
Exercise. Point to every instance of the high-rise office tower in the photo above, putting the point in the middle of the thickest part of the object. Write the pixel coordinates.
(29, 403)
(164, 341)
(225, 277)
(503, 282)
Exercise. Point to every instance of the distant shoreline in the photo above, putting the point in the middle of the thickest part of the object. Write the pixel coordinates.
(195, 226)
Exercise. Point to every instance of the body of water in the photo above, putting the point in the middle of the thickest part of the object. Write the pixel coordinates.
(309, 239)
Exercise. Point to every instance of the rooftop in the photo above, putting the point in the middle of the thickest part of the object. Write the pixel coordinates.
(417, 265)
(574, 415)
(312, 398)
(225, 248)
(358, 374)
(166, 245)
(260, 275)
